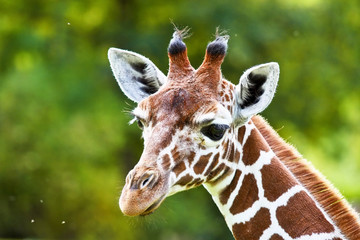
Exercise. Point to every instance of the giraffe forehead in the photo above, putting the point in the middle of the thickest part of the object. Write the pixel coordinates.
(176, 105)
(188, 100)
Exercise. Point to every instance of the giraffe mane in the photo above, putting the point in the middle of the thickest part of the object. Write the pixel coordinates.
(319, 187)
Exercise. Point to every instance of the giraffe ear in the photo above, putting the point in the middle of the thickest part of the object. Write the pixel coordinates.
(137, 76)
(256, 89)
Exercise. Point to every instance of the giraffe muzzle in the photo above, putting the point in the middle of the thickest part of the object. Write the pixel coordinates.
(143, 192)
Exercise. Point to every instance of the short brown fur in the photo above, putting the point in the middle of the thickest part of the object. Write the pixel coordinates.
(247, 195)
(295, 216)
(253, 230)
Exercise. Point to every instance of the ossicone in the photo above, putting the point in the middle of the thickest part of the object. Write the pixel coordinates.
(177, 45)
(216, 50)
(179, 64)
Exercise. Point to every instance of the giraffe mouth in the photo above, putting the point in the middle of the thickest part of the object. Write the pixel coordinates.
(153, 206)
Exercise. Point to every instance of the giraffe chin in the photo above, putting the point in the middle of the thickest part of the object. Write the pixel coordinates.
(153, 206)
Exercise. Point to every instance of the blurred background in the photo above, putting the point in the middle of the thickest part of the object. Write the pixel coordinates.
(65, 142)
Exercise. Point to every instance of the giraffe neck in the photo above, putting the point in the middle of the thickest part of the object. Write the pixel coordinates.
(263, 199)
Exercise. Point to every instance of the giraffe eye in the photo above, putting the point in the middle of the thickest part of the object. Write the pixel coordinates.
(214, 131)
(139, 123)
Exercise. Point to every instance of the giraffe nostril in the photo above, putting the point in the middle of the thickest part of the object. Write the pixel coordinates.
(147, 180)
(129, 177)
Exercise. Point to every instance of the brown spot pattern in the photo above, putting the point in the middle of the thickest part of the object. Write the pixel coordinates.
(276, 179)
(224, 174)
(231, 87)
(214, 162)
(179, 168)
(166, 162)
(237, 156)
(253, 229)
(225, 145)
(341, 213)
(301, 217)
(232, 150)
(276, 237)
(225, 194)
(241, 134)
(251, 150)
(228, 150)
(184, 180)
(215, 172)
(191, 157)
(247, 195)
(174, 153)
(195, 182)
(202, 163)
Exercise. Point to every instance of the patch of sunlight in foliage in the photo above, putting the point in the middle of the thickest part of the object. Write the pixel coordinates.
(302, 4)
(24, 61)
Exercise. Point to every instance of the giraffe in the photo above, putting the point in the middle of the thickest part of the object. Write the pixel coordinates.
(200, 129)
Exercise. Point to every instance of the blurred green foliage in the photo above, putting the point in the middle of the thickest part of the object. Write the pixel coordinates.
(65, 145)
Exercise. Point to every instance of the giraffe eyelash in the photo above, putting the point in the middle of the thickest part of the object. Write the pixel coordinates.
(140, 122)
(132, 120)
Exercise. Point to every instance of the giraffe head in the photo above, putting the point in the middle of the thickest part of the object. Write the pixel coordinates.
(188, 119)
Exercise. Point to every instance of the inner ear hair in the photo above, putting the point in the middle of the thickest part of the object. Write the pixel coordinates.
(139, 67)
(252, 89)
(147, 77)
(256, 89)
